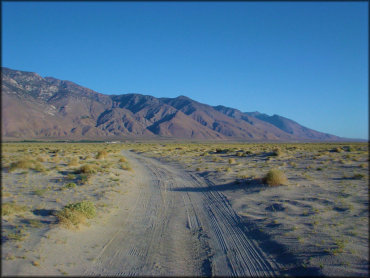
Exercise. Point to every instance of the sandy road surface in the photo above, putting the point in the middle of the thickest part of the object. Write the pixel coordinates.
(169, 223)
(175, 231)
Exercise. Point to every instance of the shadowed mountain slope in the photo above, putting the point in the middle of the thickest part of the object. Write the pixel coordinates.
(34, 107)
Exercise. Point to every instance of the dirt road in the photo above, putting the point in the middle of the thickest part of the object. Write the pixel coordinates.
(178, 227)
(169, 223)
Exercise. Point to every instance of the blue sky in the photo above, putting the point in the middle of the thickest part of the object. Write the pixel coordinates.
(307, 61)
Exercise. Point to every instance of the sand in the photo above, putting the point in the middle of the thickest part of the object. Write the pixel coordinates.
(176, 213)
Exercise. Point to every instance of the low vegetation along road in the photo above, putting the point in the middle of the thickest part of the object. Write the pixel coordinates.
(178, 227)
(175, 209)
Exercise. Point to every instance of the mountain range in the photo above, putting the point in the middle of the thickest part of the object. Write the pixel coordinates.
(34, 107)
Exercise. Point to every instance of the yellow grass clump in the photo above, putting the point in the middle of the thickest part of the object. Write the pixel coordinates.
(88, 169)
(232, 160)
(11, 209)
(275, 177)
(122, 159)
(102, 154)
(21, 164)
(73, 162)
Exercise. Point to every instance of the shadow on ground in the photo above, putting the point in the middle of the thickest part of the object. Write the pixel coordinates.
(291, 265)
(249, 186)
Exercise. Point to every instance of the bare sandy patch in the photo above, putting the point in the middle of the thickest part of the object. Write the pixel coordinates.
(34, 240)
(317, 223)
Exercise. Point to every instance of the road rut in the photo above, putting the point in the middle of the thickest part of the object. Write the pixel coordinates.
(178, 227)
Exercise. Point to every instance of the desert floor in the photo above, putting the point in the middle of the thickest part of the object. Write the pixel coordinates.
(184, 209)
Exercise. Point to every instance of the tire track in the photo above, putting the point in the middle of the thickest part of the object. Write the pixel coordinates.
(172, 232)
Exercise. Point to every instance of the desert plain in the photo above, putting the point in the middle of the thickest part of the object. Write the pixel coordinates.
(185, 209)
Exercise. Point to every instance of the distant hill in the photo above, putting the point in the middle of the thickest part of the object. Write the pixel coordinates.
(34, 107)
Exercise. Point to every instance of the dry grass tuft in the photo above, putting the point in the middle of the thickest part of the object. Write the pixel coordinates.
(88, 169)
(11, 209)
(73, 162)
(122, 159)
(102, 154)
(126, 166)
(22, 164)
(72, 215)
(232, 160)
(275, 177)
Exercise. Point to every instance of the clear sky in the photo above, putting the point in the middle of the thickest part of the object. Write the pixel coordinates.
(307, 61)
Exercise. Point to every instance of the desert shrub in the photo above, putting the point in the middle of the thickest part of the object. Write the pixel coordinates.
(88, 169)
(84, 178)
(277, 152)
(232, 160)
(39, 167)
(72, 215)
(17, 235)
(22, 164)
(358, 176)
(11, 209)
(126, 166)
(70, 185)
(40, 192)
(348, 148)
(73, 162)
(215, 159)
(275, 177)
(41, 159)
(87, 208)
(71, 176)
(336, 150)
(102, 154)
(363, 165)
(34, 223)
(122, 159)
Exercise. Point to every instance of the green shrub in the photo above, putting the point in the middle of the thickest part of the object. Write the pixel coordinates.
(84, 178)
(70, 185)
(18, 235)
(87, 208)
(72, 215)
(275, 177)
(34, 223)
(71, 176)
(40, 192)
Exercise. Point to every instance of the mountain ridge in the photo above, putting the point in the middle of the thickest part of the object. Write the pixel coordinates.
(34, 107)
